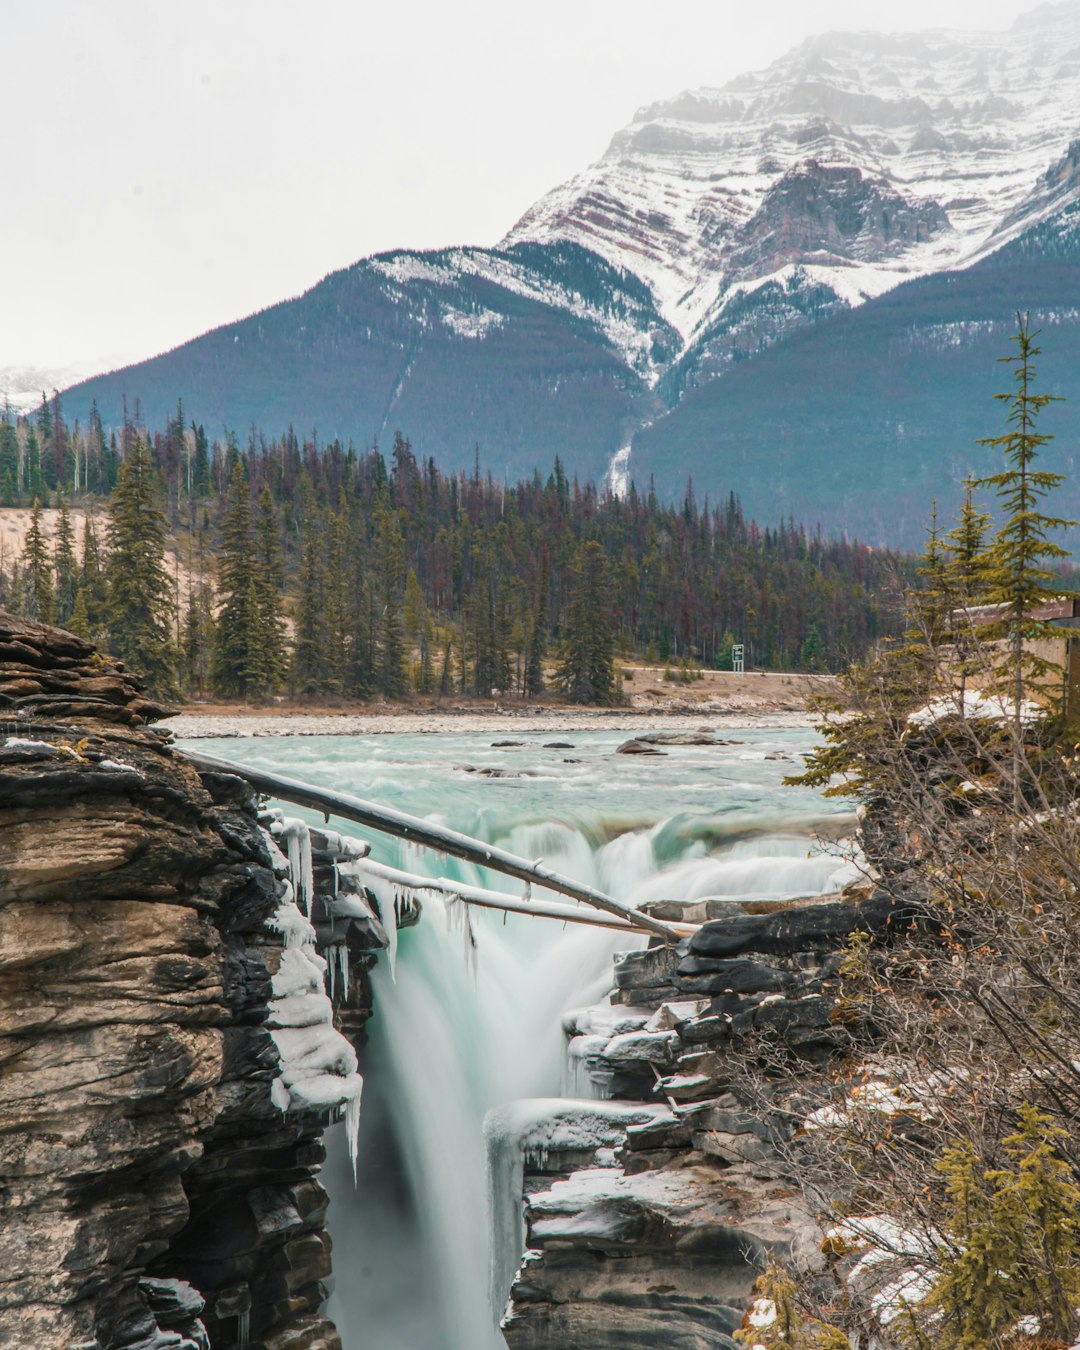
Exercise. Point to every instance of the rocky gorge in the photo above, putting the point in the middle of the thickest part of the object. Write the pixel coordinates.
(185, 984)
(169, 1060)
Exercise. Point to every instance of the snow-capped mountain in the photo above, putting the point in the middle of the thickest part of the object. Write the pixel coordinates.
(855, 162)
(789, 287)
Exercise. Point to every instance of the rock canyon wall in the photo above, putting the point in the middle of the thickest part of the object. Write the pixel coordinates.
(168, 1061)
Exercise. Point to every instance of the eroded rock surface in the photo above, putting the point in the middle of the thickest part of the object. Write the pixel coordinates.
(159, 1178)
(661, 1246)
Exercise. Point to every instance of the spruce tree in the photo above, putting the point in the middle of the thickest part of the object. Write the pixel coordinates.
(446, 674)
(39, 594)
(140, 605)
(66, 567)
(237, 645)
(586, 670)
(9, 464)
(1015, 564)
(965, 577)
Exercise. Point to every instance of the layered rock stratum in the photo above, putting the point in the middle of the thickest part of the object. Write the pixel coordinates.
(656, 1238)
(169, 1061)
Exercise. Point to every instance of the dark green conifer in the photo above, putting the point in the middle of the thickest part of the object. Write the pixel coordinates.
(92, 582)
(237, 670)
(1017, 577)
(9, 463)
(586, 670)
(65, 565)
(140, 606)
(39, 594)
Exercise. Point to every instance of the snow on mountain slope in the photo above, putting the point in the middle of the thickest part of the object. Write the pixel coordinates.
(856, 161)
(611, 298)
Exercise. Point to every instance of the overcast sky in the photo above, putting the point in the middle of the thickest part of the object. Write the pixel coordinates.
(168, 167)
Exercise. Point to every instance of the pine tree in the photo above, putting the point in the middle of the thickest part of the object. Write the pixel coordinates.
(200, 484)
(446, 674)
(9, 464)
(1015, 570)
(79, 623)
(966, 567)
(140, 601)
(39, 596)
(66, 567)
(35, 483)
(965, 577)
(237, 646)
(586, 670)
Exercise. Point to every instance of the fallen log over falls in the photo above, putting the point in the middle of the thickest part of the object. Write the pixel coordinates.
(417, 831)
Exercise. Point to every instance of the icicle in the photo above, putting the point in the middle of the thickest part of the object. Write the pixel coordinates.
(243, 1329)
(331, 971)
(292, 843)
(352, 1124)
(458, 916)
(343, 969)
(526, 894)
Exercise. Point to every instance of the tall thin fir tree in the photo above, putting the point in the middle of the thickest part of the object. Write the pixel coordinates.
(1015, 563)
(140, 606)
(65, 564)
(586, 670)
(237, 654)
(39, 597)
(965, 575)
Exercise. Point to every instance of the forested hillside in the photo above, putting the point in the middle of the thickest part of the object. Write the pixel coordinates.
(321, 569)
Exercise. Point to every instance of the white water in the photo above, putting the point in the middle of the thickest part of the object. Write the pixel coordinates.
(448, 1042)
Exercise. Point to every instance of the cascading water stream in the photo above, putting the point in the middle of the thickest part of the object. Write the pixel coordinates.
(413, 1243)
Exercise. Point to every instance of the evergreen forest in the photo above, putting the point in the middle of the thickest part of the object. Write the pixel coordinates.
(218, 569)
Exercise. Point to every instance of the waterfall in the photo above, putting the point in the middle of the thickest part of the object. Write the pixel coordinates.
(449, 1043)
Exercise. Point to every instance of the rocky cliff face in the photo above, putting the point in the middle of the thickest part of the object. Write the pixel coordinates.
(867, 157)
(169, 1059)
(658, 1241)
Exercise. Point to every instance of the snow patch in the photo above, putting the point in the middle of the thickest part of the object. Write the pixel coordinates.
(474, 324)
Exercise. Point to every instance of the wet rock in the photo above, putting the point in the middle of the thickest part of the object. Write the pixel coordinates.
(637, 746)
(810, 927)
(679, 738)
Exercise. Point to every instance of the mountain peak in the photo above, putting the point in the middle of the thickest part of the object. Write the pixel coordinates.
(954, 128)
